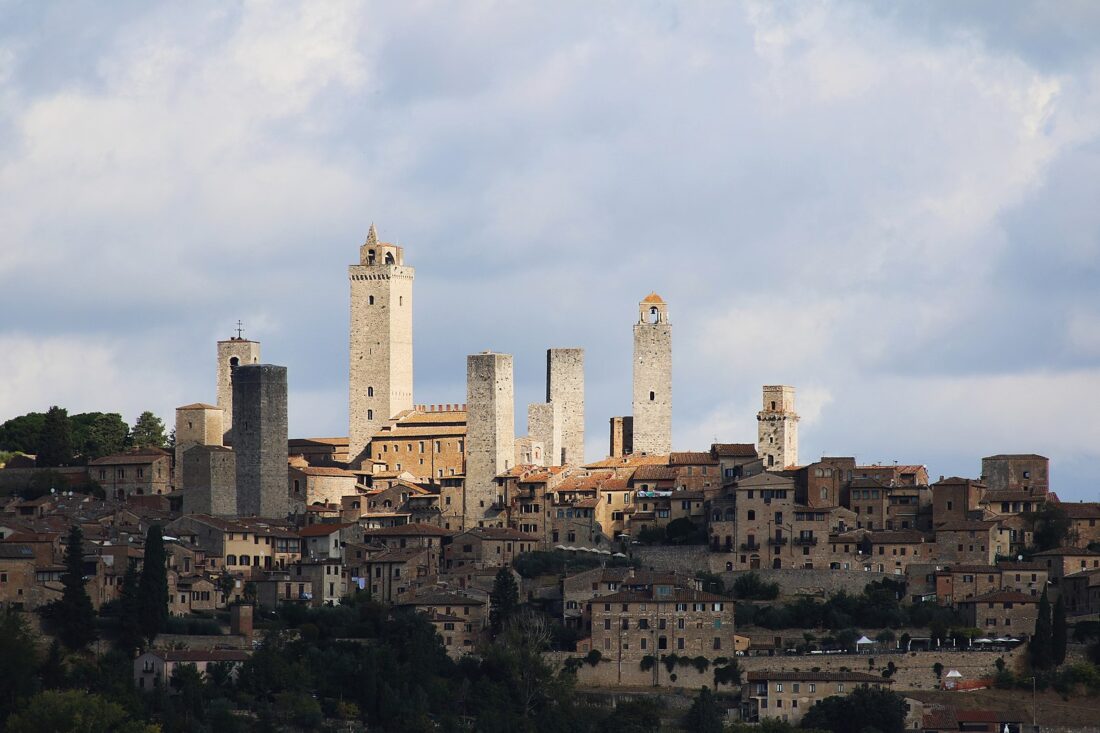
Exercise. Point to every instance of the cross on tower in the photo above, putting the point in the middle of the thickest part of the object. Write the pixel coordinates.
(239, 328)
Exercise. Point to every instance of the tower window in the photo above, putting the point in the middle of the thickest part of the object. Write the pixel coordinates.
(652, 396)
(234, 361)
(370, 414)
(401, 300)
(370, 391)
(773, 404)
(370, 300)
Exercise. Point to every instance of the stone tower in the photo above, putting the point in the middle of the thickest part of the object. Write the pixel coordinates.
(490, 431)
(196, 424)
(231, 354)
(652, 378)
(778, 428)
(259, 402)
(565, 388)
(381, 345)
(544, 425)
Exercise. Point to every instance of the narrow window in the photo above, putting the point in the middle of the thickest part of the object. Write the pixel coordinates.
(370, 391)
(370, 300)
(370, 414)
(652, 396)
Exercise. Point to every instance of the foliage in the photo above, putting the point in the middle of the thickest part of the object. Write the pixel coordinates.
(129, 611)
(712, 582)
(503, 601)
(1058, 631)
(641, 715)
(74, 613)
(41, 482)
(535, 564)
(864, 709)
(1085, 630)
(650, 535)
(98, 434)
(23, 434)
(153, 585)
(74, 711)
(727, 674)
(683, 531)
(18, 659)
(937, 669)
(751, 587)
(593, 657)
(886, 636)
(192, 626)
(704, 715)
(1051, 526)
(55, 443)
(1041, 645)
(648, 662)
(148, 432)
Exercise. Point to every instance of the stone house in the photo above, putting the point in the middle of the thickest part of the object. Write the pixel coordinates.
(579, 589)
(1029, 578)
(1062, 561)
(786, 696)
(774, 531)
(1085, 517)
(459, 619)
(154, 668)
(1001, 612)
(18, 589)
(327, 540)
(325, 576)
(959, 582)
(1081, 592)
(428, 442)
(970, 542)
(427, 536)
(1016, 472)
(696, 471)
(956, 499)
(247, 546)
(390, 574)
(311, 485)
(487, 547)
(140, 472)
(190, 593)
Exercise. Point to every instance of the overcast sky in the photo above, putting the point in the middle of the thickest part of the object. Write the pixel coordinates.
(892, 207)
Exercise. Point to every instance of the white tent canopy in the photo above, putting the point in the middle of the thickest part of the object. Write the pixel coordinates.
(864, 640)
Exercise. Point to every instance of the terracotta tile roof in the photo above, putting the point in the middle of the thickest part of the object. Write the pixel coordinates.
(678, 595)
(1001, 596)
(977, 569)
(653, 298)
(1003, 456)
(765, 676)
(1028, 566)
(1081, 510)
(964, 525)
(440, 598)
(655, 473)
(632, 461)
(199, 406)
(1067, 551)
(1005, 495)
(320, 441)
(500, 533)
(692, 458)
(409, 530)
(734, 450)
(324, 471)
(143, 456)
(899, 536)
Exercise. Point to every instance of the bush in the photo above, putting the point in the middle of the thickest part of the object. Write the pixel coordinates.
(750, 586)
(648, 662)
(670, 661)
(593, 657)
(701, 663)
(190, 626)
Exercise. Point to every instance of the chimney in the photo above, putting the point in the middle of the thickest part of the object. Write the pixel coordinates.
(240, 621)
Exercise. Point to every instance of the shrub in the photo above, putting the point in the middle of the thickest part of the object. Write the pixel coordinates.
(593, 657)
(648, 662)
(701, 663)
(670, 661)
(751, 586)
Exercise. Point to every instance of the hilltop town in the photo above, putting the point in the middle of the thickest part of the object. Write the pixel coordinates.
(740, 577)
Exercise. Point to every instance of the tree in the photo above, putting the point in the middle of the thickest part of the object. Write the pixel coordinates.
(129, 611)
(1058, 632)
(1041, 644)
(503, 601)
(19, 659)
(750, 587)
(1051, 525)
(74, 612)
(642, 715)
(865, 709)
(74, 711)
(98, 434)
(23, 434)
(42, 482)
(55, 445)
(148, 432)
(153, 585)
(704, 715)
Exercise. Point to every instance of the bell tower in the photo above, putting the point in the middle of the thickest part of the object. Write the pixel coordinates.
(653, 377)
(381, 352)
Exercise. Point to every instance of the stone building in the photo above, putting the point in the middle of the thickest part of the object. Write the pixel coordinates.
(428, 442)
(956, 499)
(459, 619)
(209, 480)
(1028, 472)
(490, 433)
(140, 472)
(778, 428)
(786, 696)
(621, 442)
(196, 424)
(487, 547)
(259, 403)
(652, 378)
(232, 353)
(544, 426)
(381, 341)
(1001, 612)
(565, 388)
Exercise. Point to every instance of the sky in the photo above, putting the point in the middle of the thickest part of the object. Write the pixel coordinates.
(890, 206)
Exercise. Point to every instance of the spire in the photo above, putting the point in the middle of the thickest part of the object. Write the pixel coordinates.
(372, 235)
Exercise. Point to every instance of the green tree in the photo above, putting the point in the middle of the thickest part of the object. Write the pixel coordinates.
(129, 611)
(24, 433)
(865, 709)
(74, 612)
(1051, 526)
(704, 715)
(19, 660)
(42, 483)
(503, 601)
(751, 587)
(1041, 644)
(187, 681)
(1058, 632)
(98, 434)
(153, 585)
(148, 432)
(55, 445)
(642, 715)
(74, 711)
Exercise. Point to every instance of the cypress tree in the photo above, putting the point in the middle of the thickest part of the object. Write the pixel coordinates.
(75, 615)
(129, 616)
(55, 446)
(1058, 632)
(153, 586)
(503, 601)
(1042, 653)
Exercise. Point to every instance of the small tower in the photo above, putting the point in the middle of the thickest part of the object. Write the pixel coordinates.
(381, 350)
(565, 388)
(490, 432)
(196, 424)
(652, 378)
(778, 428)
(233, 352)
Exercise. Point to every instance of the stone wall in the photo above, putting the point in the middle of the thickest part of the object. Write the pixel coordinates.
(260, 433)
(804, 582)
(686, 559)
(565, 388)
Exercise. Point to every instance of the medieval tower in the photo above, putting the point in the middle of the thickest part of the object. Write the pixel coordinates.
(778, 428)
(565, 388)
(232, 353)
(490, 431)
(259, 401)
(652, 378)
(381, 346)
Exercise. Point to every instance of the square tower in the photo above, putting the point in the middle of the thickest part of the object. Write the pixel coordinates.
(778, 428)
(196, 424)
(232, 353)
(259, 402)
(544, 425)
(381, 349)
(652, 378)
(490, 431)
(565, 388)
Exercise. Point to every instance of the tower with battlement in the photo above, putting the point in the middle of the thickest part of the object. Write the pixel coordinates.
(232, 352)
(490, 433)
(778, 428)
(652, 418)
(381, 347)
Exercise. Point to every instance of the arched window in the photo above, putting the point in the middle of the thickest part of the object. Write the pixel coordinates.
(370, 391)
(234, 361)
(230, 559)
(370, 300)
(653, 315)
(389, 258)
(370, 257)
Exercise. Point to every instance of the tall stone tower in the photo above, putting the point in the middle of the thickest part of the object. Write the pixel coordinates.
(196, 424)
(652, 378)
(232, 353)
(544, 426)
(259, 402)
(565, 388)
(778, 428)
(490, 431)
(381, 369)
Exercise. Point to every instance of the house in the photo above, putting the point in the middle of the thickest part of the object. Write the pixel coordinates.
(786, 696)
(487, 547)
(155, 667)
(144, 471)
(459, 619)
(1081, 592)
(1062, 561)
(1001, 612)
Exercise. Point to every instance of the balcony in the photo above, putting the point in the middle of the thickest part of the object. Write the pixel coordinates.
(749, 547)
(780, 541)
(807, 541)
